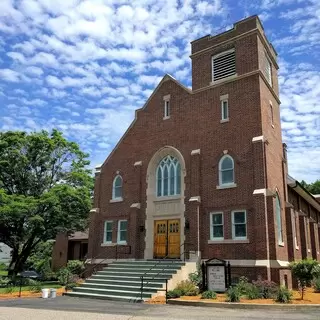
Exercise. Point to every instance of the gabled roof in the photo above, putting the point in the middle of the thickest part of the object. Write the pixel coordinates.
(304, 193)
(164, 79)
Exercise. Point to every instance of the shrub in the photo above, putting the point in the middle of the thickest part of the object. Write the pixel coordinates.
(209, 295)
(243, 285)
(267, 289)
(252, 292)
(172, 294)
(188, 288)
(305, 271)
(70, 286)
(4, 282)
(3, 267)
(284, 295)
(64, 276)
(233, 295)
(316, 285)
(36, 287)
(196, 277)
(76, 267)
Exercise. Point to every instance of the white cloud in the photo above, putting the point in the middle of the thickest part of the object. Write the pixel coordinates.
(9, 75)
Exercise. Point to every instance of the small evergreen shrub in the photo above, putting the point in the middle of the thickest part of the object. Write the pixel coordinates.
(64, 276)
(188, 288)
(243, 285)
(209, 295)
(252, 292)
(196, 277)
(75, 267)
(172, 294)
(284, 295)
(267, 289)
(233, 294)
(316, 285)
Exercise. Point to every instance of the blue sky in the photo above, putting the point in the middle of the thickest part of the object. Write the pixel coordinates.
(85, 66)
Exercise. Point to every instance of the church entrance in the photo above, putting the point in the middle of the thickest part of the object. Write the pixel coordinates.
(166, 239)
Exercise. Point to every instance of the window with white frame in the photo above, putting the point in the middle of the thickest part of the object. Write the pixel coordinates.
(166, 109)
(278, 219)
(122, 231)
(239, 225)
(168, 177)
(268, 69)
(117, 187)
(224, 109)
(226, 170)
(107, 238)
(216, 226)
(223, 65)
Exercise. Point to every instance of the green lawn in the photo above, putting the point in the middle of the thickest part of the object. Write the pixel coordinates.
(3, 273)
(27, 288)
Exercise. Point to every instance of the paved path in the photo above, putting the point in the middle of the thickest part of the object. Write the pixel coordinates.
(67, 308)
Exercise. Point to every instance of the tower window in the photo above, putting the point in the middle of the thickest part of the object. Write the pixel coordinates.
(271, 114)
(223, 65)
(224, 110)
(268, 69)
(166, 109)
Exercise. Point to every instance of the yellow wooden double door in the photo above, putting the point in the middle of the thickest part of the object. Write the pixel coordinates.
(167, 238)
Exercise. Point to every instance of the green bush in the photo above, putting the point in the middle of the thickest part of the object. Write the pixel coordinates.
(233, 294)
(4, 282)
(209, 295)
(36, 287)
(316, 285)
(64, 276)
(243, 285)
(76, 267)
(3, 267)
(196, 277)
(267, 289)
(188, 288)
(305, 271)
(252, 292)
(172, 294)
(284, 295)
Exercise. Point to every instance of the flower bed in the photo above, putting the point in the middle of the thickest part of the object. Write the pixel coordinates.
(26, 294)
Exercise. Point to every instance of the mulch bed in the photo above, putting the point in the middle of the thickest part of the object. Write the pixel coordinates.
(26, 294)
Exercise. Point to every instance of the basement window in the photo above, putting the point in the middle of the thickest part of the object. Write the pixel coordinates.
(223, 65)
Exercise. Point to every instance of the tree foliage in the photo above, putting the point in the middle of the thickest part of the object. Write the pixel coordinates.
(305, 271)
(313, 188)
(44, 189)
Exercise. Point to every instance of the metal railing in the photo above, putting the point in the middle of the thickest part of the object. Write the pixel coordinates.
(144, 277)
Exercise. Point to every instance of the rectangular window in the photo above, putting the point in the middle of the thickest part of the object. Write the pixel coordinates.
(271, 114)
(239, 225)
(268, 69)
(122, 231)
(108, 232)
(216, 226)
(224, 110)
(166, 109)
(223, 65)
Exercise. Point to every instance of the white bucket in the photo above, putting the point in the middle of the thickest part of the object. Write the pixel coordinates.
(45, 293)
(53, 293)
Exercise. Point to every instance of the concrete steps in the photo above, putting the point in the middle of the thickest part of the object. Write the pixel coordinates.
(121, 280)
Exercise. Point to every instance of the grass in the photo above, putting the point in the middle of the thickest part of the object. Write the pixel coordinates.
(28, 288)
(3, 273)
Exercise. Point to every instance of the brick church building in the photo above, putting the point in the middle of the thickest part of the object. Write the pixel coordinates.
(202, 173)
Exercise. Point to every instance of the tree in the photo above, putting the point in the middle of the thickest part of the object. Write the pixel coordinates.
(305, 271)
(313, 188)
(44, 189)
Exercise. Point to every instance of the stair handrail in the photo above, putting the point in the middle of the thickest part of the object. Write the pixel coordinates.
(142, 278)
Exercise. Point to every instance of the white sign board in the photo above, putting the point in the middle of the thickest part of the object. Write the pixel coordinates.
(216, 278)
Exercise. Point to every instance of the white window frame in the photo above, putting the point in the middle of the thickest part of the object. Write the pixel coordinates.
(114, 188)
(211, 226)
(268, 69)
(177, 175)
(119, 230)
(212, 66)
(220, 171)
(166, 109)
(223, 116)
(233, 225)
(105, 231)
